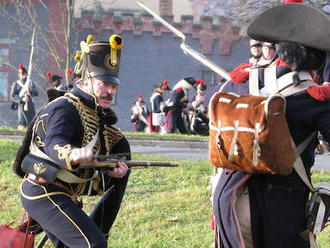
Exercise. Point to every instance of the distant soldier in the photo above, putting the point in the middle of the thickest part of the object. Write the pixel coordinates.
(199, 121)
(177, 102)
(139, 115)
(21, 94)
(55, 81)
(157, 105)
(268, 53)
(255, 51)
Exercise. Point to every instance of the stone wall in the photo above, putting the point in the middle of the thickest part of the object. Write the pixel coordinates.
(151, 53)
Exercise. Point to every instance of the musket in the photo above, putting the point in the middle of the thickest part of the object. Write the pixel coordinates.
(26, 87)
(112, 163)
(186, 48)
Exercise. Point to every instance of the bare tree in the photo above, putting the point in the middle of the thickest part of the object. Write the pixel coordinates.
(242, 11)
(53, 43)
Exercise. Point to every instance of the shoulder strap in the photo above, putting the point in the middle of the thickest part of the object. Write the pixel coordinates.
(254, 82)
(292, 89)
(63, 174)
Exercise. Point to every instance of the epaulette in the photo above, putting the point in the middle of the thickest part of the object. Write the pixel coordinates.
(281, 63)
(321, 92)
(179, 89)
(239, 74)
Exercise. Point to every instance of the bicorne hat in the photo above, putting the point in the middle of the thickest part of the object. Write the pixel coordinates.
(192, 81)
(162, 85)
(99, 59)
(294, 22)
(52, 78)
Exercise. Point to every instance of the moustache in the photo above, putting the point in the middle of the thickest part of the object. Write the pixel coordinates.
(107, 97)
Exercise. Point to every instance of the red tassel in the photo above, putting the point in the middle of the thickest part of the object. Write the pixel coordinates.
(48, 74)
(200, 81)
(293, 1)
(21, 67)
(239, 74)
(69, 72)
(165, 82)
(321, 93)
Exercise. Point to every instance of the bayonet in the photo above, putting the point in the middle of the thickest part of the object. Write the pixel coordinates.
(186, 48)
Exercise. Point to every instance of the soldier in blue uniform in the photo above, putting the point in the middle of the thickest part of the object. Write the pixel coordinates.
(66, 135)
(157, 106)
(22, 98)
(177, 102)
(55, 82)
(276, 204)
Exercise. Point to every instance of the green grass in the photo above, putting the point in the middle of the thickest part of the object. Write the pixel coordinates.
(162, 208)
(11, 131)
(167, 135)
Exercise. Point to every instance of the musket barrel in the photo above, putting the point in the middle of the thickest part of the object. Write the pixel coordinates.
(136, 163)
(133, 163)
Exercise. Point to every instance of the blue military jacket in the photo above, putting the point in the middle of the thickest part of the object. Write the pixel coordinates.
(72, 121)
(277, 202)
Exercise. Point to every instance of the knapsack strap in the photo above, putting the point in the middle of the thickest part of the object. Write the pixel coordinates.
(300, 169)
(298, 164)
(292, 89)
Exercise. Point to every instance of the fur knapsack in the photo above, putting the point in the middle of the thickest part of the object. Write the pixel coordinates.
(250, 134)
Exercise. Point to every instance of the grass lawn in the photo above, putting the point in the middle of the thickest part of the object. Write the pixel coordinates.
(15, 131)
(163, 207)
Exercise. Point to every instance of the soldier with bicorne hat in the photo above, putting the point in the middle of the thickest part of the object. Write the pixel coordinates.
(157, 106)
(55, 82)
(266, 210)
(61, 144)
(21, 94)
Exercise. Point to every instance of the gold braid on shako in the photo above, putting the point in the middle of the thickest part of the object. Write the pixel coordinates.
(116, 43)
(78, 58)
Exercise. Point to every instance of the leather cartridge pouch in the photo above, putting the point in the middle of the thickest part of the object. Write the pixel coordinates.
(40, 167)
